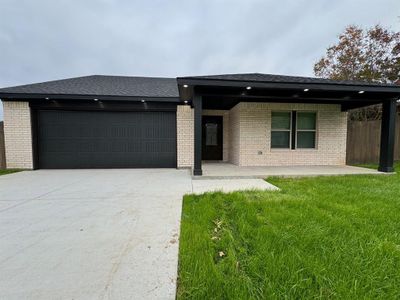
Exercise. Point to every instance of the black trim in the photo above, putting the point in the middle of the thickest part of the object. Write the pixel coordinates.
(36, 107)
(198, 115)
(386, 156)
(24, 97)
(214, 152)
(34, 133)
(102, 105)
(294, 126)
(354, 104)
(287, 85)
(225, 97)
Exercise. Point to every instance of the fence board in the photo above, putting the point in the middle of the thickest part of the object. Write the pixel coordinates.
(363, 141)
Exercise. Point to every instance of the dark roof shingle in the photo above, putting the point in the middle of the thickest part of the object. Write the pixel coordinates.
(259, 77)
(101, 85)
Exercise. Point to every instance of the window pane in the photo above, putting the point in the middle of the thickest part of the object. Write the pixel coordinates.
(305, 139)
(306, 120)
(211, 134)
(280, 120)
(280, 139)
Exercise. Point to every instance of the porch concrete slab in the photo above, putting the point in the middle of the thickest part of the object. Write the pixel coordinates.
(230, 185)
(227, 170)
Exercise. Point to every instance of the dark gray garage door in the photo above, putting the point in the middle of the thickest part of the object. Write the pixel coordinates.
(70, 139)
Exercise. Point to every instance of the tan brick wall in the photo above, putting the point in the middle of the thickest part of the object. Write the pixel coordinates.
(234, 133)
(254, 136)
(185, 136)
(17, 134)
(225, 128)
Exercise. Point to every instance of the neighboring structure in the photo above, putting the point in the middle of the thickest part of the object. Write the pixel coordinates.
(137, 122)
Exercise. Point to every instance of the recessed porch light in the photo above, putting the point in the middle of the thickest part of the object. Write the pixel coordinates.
(47, 98)
(248, 88)
(143, 101)
(186, 102)
(306, 90)
(95, 99)
(185, 86)
(361, 92)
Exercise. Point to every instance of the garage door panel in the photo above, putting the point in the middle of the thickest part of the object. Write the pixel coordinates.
(69, 139)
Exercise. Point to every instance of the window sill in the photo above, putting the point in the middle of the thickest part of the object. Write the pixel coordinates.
(293, 150)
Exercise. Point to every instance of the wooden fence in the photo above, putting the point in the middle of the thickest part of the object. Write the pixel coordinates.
(363, 141)
(2, 147)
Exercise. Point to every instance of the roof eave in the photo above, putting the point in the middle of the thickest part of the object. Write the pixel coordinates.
(32, 96)
(287, 85)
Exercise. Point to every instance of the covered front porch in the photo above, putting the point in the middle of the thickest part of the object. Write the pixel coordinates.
(278, 125)
(224, 170)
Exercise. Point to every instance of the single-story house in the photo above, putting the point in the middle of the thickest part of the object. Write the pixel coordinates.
(144, 122)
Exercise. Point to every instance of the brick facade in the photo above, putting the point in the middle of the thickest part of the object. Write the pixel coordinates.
(247, 135)
(234, 130)
(185, 136)
(253, 139)
(17, 135)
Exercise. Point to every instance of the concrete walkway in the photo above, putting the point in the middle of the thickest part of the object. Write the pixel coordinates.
(230, 185)
(90, 234)
(227, 170)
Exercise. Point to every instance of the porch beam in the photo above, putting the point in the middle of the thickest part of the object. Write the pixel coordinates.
(286, 85)
(295, 97)
(354, 105)
(386, 155)
(198, 112)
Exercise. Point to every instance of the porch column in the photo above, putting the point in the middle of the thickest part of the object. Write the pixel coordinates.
(388, 126)
(198, 112)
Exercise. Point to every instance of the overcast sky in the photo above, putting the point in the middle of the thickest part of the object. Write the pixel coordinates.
(46, 39)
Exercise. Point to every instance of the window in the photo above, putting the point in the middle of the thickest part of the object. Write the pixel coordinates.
(211, 134)
(280, 133)
(293, 130)
(306, 129)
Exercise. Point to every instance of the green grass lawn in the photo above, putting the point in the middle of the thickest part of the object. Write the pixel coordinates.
(8, 171)
(321, 237)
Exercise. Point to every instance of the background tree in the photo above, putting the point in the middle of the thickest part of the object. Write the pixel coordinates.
(371, 55)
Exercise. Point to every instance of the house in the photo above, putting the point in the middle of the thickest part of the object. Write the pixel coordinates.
(143, 122)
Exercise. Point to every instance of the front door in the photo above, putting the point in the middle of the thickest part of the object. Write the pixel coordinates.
(212, 138)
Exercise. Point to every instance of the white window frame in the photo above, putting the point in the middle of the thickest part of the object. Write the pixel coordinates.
(308, 130)
(283, 130)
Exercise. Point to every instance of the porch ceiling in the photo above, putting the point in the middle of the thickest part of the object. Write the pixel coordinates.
(224, 94)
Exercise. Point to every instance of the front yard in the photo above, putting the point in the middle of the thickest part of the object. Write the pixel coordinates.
(324, 237)
(9, 171)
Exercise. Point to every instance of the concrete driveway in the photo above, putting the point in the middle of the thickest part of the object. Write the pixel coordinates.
(90, 234)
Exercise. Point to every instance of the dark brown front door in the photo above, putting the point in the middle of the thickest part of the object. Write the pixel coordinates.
(212, 138)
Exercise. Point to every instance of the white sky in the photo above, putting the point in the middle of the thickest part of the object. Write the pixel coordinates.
(45, 39)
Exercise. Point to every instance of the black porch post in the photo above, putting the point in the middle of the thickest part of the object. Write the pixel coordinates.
(387, 136)
(198, 112)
